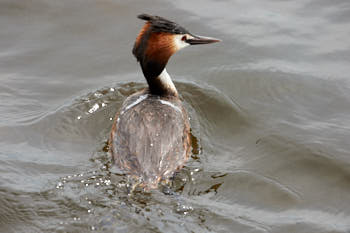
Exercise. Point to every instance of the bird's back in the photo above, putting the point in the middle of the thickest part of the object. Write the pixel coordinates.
(150, 137)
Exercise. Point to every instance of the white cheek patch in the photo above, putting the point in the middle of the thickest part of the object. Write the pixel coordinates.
(179, 43)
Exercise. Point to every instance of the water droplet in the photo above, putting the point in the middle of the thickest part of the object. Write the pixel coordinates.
(103, 104)
(112, 89)
(94, 108)
(86, 185)
(78, 117)
(89, 211)
(59, 185)
(97, 183)
(97, 94)
(184, 209)
(151, 144)
(110, 118)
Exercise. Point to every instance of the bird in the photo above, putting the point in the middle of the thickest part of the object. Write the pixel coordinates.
(150, 138)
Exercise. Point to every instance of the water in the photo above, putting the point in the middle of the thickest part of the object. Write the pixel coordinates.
(269, 110)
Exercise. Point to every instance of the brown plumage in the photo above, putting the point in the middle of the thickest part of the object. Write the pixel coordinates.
(150, 137)
(160, 46)
(142, 32)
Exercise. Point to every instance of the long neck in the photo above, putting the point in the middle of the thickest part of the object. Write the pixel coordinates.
(162, 85)
(158, 79)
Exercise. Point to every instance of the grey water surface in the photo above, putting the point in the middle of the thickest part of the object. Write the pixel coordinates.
(269, 109)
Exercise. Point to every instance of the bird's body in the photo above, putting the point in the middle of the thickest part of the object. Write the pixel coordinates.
(150, 138)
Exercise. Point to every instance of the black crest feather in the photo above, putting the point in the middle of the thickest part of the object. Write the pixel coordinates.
(145, 17)
(160, 24)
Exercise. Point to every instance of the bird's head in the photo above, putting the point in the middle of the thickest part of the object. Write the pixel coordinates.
(158, 40)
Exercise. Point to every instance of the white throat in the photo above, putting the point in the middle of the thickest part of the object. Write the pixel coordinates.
(165, 79)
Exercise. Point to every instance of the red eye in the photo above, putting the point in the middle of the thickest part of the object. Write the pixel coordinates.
(184, 38)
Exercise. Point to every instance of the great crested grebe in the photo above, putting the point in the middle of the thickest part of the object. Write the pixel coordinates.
(150, 137)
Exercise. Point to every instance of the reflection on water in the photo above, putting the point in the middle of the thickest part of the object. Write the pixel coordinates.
(269, 110)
